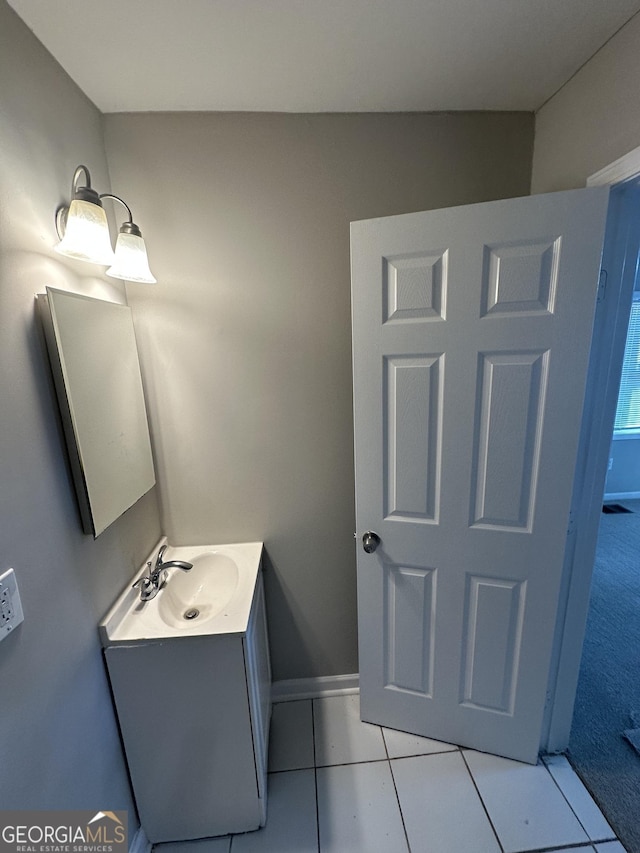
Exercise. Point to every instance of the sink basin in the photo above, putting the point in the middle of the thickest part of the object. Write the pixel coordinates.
(214, 597)
(201, 593)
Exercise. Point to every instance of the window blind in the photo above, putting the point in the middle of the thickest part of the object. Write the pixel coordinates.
(628, 409)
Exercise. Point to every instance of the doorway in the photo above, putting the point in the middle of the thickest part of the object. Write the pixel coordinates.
(619, 264)
(608, 692)
(393, 263)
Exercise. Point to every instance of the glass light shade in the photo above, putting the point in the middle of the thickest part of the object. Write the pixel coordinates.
(131, 263)
(86, 235)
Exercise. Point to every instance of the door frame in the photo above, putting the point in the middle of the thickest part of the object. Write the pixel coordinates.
(620, 256)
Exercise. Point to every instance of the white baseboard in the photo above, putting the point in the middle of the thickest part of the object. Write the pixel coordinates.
(140, 842)
(314, 688)
(621, 496)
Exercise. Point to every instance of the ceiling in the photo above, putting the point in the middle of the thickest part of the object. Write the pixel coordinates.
(322, 55)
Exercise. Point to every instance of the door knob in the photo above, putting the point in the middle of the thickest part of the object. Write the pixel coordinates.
(370, 541)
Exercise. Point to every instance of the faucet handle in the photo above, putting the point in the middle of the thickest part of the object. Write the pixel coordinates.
(145, 580)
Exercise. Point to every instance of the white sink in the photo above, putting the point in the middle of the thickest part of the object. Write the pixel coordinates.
(214, 597)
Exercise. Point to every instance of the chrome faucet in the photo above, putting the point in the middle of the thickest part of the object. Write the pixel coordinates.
(151, 583)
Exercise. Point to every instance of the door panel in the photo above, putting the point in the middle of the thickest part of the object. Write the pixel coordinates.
(471, 336)
(409, 629)
(508, 426)
(412, 411)
(492, 638)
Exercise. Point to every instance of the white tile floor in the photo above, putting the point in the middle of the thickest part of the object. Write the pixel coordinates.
(337, 785)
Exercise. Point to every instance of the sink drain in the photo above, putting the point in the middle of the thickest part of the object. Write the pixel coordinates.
(192, 613)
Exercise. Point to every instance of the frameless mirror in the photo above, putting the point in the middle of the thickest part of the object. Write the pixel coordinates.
(93, 354)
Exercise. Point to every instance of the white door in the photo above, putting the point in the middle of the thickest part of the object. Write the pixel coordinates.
(471, 338)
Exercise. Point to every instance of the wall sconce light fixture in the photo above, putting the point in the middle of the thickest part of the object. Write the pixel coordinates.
(84, 234)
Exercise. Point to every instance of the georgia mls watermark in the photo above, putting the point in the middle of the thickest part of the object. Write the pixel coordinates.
(63, 832)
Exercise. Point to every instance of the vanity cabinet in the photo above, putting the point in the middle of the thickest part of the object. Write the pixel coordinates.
(194, 716)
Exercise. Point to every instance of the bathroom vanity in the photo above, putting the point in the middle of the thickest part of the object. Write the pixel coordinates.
(192, 694)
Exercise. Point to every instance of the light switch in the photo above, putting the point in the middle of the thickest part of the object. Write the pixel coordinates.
(10, 605)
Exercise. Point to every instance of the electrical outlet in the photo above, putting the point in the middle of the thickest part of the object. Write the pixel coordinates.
(10, 605)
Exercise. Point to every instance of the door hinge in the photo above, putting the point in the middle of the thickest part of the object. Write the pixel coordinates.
(571, 527)
(602, 286)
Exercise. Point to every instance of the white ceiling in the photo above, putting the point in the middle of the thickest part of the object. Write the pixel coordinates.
(322, 55)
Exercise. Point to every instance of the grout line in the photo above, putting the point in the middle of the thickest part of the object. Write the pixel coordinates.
(313, 729)
(566, 799)
(378, 760)
(486, 811)
(593, 796)
(291, 770)
(395, 788)
(351, 763)
(315, 770)
(567, 847)
(424, 754)
(559, 787)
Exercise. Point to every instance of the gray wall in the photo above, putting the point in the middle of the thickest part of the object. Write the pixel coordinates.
(59, 747)
(591, 122)
(594, 119)
(246, 340)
